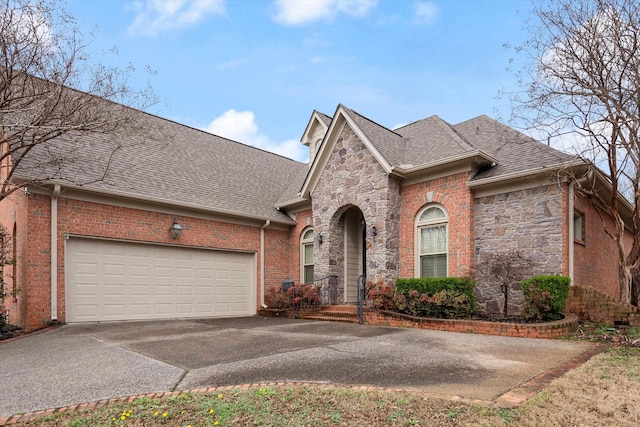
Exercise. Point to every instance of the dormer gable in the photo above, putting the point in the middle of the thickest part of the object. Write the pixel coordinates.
(315, 132)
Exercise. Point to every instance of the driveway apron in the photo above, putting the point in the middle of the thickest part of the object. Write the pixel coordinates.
(88, 362)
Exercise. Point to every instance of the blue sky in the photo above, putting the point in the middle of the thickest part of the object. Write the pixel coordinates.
(254, 70)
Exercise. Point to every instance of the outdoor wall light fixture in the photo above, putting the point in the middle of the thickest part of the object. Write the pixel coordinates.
(319, 238)
(175, 229)
(374, 230)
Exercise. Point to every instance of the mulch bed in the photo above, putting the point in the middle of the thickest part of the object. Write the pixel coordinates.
(9, 331)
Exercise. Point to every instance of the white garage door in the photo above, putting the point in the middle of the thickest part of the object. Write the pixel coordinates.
(108, 280)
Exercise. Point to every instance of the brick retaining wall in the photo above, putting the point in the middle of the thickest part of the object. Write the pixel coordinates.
(595, 306)
(556, 329)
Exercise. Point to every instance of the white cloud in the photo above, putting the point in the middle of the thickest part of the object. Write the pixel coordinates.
(156, 16)
(241, 126)
(232, 64)
(426, 13)
(301, 12)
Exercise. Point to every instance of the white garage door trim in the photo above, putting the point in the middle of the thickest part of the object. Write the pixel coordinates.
(113, 280)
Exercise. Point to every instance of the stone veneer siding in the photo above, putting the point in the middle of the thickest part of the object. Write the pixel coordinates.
(354, 178)
(531, 221)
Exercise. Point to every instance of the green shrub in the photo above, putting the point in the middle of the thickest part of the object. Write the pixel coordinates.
(458, 285)
(545, 297)
(444, 298)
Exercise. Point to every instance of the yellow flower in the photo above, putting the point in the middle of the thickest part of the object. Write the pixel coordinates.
(122, 417)
(164, 414)
(220, 396)
(155, 414)
(216, 423)
(211, 411)
(113, 419)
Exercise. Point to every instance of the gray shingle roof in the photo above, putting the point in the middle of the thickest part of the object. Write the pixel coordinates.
(391, 145)
(432, 139)
(515, 151)
(180, 165)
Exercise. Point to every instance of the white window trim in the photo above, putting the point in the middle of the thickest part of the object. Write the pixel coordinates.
(418, 225)
(304, 242)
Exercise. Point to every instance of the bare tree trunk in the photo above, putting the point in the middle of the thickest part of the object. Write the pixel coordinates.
(635, 288)
(626, 279)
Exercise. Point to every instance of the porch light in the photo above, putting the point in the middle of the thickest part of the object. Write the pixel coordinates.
(319, 238)
(374, 230)
(175, 229)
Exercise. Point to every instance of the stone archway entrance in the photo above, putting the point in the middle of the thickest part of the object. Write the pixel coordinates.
(353, 252)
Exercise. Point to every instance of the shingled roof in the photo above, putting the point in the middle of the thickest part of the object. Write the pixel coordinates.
(515, 151)
(178, 165)
(432, 141)
(170, 163)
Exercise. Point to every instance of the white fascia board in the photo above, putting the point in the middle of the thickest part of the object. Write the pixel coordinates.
(293, 204)
(439, 164)
(376, 154)
(340, 118)
(524, 174)
(314, 117)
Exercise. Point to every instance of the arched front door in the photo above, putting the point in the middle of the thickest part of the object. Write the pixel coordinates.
(353, 254)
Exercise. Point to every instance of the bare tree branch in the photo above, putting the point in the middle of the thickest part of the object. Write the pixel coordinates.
(582, 75)
(53, 98)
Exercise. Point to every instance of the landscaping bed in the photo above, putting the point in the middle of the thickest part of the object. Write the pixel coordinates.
(9, 331)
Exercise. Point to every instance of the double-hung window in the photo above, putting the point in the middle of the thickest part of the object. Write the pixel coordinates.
(306, 244)
(432, 242)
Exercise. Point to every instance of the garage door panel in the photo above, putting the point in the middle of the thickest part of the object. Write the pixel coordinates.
(139, 290)
(109, 280)
(115, 290)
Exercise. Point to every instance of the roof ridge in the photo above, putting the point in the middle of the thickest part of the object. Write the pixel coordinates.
(433, 116)
(462, 142)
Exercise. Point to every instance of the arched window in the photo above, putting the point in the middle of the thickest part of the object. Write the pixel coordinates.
(306, 252)
(432, 242)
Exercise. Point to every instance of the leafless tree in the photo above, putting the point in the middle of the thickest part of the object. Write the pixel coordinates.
(508, 269)
(56, 103)
(581, 76)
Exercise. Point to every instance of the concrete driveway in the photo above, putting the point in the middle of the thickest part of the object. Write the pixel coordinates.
(84, 363)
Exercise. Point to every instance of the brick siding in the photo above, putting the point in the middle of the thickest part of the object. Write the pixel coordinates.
(452, 193)
(91, 219)
(596, 258)
(592, 305)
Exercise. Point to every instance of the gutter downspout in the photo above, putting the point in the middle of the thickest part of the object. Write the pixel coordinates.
(571, 230)
(54, 253)
(266, 224)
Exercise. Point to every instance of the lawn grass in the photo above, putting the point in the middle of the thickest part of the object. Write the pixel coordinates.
(605, 391)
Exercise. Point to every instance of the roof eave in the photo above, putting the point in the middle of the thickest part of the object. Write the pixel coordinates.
(475, 157)
(525, 173)
(171, 203)
(294, 203)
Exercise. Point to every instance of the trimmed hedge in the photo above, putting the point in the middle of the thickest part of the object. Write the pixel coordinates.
(446, 297)
(545, 296)
(459, 285)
